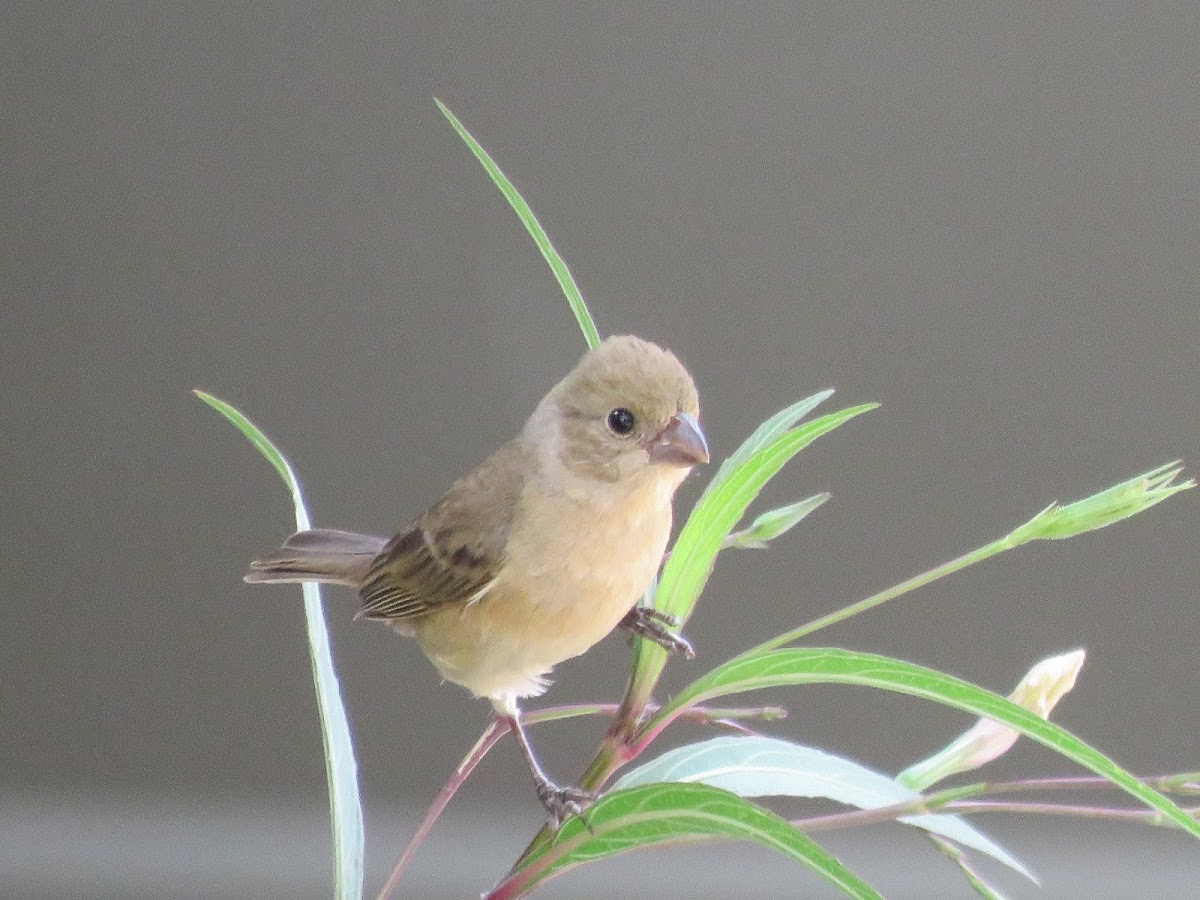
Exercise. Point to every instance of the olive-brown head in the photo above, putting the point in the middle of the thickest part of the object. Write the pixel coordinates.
(628, 406)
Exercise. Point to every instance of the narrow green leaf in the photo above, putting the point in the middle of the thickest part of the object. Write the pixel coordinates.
(767, 432)
(757, 766)
(714, 516)
(255, 437)
(670, 813)
(773, 523)
(774, 668)
(341, 770)
(565, 280)
(687, 570)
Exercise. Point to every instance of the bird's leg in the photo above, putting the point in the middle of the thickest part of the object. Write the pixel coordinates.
(653, 625)
(559, 802)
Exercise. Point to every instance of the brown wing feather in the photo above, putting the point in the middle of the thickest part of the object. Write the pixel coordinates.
(453, 553)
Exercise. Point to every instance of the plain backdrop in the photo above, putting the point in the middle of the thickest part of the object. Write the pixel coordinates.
(984, 216)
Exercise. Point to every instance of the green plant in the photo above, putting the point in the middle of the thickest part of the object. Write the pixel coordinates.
(700, 792)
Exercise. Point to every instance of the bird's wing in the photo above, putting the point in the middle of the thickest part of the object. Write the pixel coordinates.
(455, 551)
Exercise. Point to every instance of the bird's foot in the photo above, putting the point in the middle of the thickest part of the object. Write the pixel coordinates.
(655, 626)
(560, 802)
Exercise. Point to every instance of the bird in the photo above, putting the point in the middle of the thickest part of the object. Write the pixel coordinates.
(543, 549)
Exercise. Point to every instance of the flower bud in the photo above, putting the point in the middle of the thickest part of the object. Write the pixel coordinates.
(1041, 688)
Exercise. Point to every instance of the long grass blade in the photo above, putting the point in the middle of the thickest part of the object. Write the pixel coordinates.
(341, 770)
(558, 266)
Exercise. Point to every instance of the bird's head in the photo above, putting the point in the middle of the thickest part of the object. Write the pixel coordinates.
(628, 409)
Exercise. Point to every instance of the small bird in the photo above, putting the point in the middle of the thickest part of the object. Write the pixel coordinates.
(540, 551)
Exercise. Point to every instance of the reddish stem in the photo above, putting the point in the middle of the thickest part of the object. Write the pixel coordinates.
(496, 729)
(1111, 814)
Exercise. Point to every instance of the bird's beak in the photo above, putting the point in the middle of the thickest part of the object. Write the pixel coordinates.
(681, 443)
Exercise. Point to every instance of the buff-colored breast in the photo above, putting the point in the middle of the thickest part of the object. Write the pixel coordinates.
(568, 580)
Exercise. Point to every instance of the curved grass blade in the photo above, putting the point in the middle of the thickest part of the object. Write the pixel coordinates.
(758, 766)
(772, 668)
(565, 280)
(672, 813)
(341, 770)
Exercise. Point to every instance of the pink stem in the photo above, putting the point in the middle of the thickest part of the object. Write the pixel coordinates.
(1077, 782)
(496, 729)
(1150, 817)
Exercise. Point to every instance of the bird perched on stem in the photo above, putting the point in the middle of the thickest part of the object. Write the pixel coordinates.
(540, 551)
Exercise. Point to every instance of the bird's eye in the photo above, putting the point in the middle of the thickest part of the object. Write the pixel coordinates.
(620, 421)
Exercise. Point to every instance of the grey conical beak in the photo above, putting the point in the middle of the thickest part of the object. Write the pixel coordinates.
(681, 443)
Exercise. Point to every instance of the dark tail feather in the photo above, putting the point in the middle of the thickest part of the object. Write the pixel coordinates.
(323, 554)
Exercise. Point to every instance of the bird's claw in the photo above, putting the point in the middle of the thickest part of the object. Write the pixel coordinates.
(560, 802)
(654, 625)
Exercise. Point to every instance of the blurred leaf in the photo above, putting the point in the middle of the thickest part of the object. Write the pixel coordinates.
(768, 767)
(565, 280)
(341, 770)
(260, 442)
(668, 813)
(775, 668)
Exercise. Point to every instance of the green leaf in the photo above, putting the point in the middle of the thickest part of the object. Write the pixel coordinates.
(773, 523)
(1100, 510)
(767, 432)
(758, 766)
(718, 511)
(341, 770)
(259, 440)
(565, 280)
(774, 668)
(673, 813)
(687, 570)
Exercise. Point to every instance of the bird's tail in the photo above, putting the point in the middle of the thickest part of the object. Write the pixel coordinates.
(323, 554)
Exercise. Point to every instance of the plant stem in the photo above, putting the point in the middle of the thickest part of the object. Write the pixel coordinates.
(705, 715)
(967, 559)
(496, 729)
(964, 800)
(1111, 814)
(654, 724)
(1184, 784)
(611, 755)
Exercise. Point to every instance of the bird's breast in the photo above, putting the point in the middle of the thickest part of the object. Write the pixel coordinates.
(590, 560)
(572, 571)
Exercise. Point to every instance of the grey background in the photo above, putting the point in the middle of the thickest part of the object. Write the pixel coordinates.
(984, 216)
